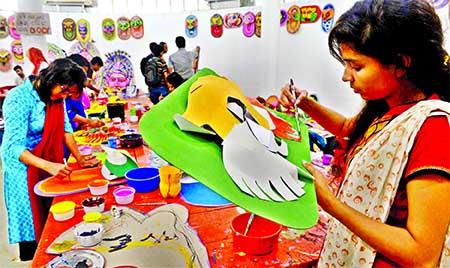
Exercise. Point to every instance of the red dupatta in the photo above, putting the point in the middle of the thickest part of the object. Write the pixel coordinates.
(51, 149)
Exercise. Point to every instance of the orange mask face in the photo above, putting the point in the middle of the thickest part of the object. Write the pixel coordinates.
(207, 105)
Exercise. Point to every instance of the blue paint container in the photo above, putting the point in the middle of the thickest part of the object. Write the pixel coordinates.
(144, 179)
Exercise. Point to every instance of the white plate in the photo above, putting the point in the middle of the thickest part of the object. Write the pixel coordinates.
(92, 258)
(107, 174)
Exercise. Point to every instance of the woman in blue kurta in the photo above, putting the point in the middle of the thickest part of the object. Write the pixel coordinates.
(27, 112)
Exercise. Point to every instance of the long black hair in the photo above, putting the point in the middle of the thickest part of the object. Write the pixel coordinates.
(387, 29)
(62, 72)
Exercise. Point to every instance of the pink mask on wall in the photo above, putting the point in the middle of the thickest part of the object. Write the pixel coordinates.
(12, 27)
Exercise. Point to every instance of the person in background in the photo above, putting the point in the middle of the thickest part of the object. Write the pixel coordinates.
(36, 126)
(182, 61)
(97, 77)
(393, 207)
(165, 49)
(174, 80)
(86, 66)
(155, 75)
(20, 75)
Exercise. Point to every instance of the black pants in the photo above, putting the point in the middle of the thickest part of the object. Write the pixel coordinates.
(27, 250)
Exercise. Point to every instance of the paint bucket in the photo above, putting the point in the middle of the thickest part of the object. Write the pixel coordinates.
(261, 238)
(116, 109)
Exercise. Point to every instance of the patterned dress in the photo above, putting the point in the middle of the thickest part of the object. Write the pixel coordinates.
(24, 115)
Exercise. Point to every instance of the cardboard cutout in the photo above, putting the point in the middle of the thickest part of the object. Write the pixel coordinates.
(191, 26)
(310, 14)
(118, 70)
(327, 17)
(232, 20)
(69, 29)
(109, 29)
(55, 52)
(17, 51)
(216, 25)
(87, 50)
(258, 24)
(83, 31)
(294, 21)
(123, 28)
(5, 60)
(248, 24)
(12, 27)
(3, 27)
(137, 27)
(283, 17)
(203, 160)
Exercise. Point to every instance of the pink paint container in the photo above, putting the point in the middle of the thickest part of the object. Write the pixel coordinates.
(326, 159)
(124, 195)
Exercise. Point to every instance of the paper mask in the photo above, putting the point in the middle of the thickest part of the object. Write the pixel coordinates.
(216, 25)
(17, 51)
(327, 17)
(3, 27)
(137, 27)
(294, 21)
(109, 29)
(258, 24)
(55, 52)
(83, 31)
(123, 28)
(87, 50)
(310, 14)
(37, 58)
(248, 24)
(69, 29)
(232, 20)
(12, 27)
(118, 70)
(5, 60)
(207, 105)
(191, 26)
(283, 17)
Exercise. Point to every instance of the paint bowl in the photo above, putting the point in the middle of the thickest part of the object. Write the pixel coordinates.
(131, 140)
(93, 204)
(91, 217)
(124, 195)
(63, 210)
(89, 234)
(85, 149)
(143, 179)
(326, 159)
(261, 238)
(98, 187)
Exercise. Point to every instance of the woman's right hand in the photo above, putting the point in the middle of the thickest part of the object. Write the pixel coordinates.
(58, 170)
(288, 100)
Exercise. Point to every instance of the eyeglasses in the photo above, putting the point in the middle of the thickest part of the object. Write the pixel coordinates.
(66, 89)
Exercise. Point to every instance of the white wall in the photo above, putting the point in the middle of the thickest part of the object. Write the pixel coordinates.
(303, 56)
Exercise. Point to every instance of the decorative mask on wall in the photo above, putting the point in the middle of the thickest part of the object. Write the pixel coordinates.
(12, 27)
(137, 27)
(327, 17)
(438, 3)
(123, 28)
(216, 25)
(17, 51)
(3, 27)
(55, 52)
(248, 24)
(83, 31)
(191, 26)
(36, 57)
(310, 14)
(5, 60)
(258, 24)
(294, 21)
(232, 20)
(109, 29)
(69, 29)
(118, 70)
(87, 50)
(283, 17)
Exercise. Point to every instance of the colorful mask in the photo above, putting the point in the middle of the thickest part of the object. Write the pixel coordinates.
(294, 21)
(36, 57)
(191, 26)
(3, 27)
(283, 17)
(258, 24)
(438, 3)
(137, 27)
(232, 20)
(118, 70)
(5, 60)
(123, 28)
(109, 29)
(83, 31)
(55, 52)
(12, 27)
(68, 27)
(248, 24)
(310, 14)
(87, 50)
(216, 25)
(17, 51)
(327, 17)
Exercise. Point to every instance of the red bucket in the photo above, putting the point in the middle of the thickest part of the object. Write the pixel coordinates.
(261, 238)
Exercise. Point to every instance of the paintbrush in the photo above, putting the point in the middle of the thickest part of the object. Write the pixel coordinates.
(249, 223)
(65, 163)
(297, 116)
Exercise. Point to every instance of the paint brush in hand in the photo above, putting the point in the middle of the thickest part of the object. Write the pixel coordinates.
(65, 163)
(297, 116)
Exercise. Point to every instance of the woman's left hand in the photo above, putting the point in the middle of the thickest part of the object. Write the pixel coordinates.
(323, 191)
(88, 161)
(96, 123)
